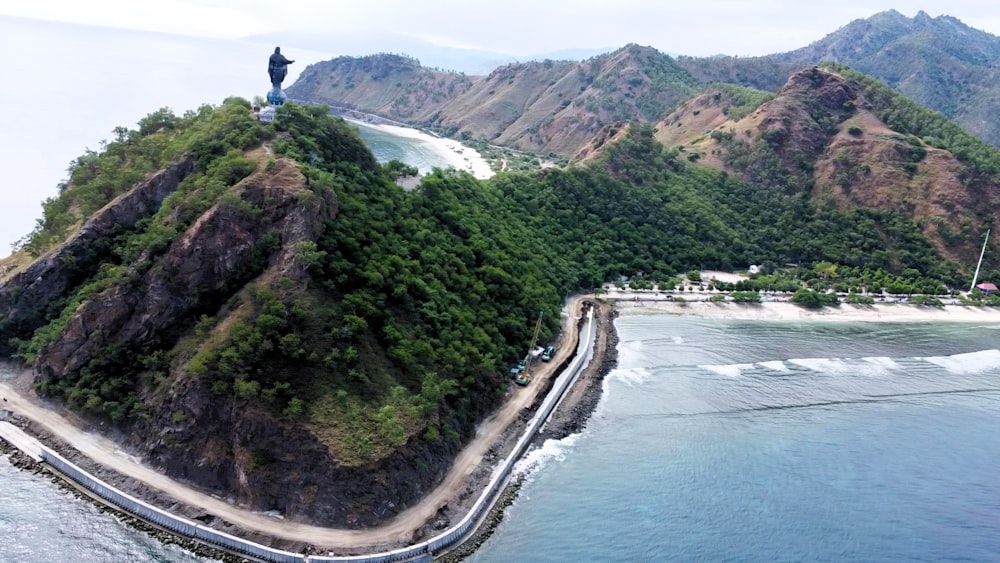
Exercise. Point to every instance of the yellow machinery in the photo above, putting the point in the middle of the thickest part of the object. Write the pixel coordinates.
(524, 377)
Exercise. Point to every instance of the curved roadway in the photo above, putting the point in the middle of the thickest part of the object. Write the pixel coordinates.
(399, 530)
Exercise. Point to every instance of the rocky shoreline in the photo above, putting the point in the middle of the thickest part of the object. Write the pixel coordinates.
(25, 463)
(570, 418)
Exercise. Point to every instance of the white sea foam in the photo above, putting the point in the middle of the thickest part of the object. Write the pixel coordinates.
(882, 363)
(731, 370)
(548, 451)
(971, 362)
(776, 365)
(630, 354)
(825, 365)
(678, 340)
(631, 376)
(630, 345)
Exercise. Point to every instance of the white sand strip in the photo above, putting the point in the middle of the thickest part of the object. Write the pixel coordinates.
(777, 311)
(458, 155)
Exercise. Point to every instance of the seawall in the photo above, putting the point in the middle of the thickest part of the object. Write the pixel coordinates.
(420, 551)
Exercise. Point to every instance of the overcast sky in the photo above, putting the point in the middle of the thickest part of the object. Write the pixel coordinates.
(702, 27)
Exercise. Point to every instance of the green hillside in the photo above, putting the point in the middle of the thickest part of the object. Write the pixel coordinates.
(264, 312)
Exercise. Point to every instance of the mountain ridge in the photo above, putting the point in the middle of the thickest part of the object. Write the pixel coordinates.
(822, 135)
(542, 107)
(939, 62)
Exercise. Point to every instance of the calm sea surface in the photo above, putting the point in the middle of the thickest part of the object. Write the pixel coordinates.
(717, 440)
(739, 441)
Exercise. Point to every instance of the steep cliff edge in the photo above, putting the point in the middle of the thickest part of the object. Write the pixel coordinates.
(172, 309)
(27, 291)
(258, 310)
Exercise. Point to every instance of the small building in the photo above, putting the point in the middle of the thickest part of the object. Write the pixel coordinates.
(754, 269)
(986, 288)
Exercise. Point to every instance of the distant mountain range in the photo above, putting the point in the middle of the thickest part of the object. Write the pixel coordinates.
(848, 142)
(938, 62)
(430, 55)
(810, 121)
(546, 107)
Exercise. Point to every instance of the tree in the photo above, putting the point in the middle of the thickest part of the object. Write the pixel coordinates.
(825, 269)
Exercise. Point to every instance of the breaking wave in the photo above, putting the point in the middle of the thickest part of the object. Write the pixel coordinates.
(549, 450)
(967, 363)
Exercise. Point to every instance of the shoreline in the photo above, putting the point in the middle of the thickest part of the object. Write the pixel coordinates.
(639, 304)
(569, 418)
(22, 462)
(440, 516)
(582, 399)
(454, 152)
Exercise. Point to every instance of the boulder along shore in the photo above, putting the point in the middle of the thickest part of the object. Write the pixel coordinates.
(25, 463)
(570, 417)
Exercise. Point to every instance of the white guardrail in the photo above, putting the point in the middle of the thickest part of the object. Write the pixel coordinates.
(189, 529)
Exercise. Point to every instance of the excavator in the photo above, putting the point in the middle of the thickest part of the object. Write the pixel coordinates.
(523, 378)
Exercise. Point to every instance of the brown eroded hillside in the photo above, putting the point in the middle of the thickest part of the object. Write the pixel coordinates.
(821, 135)
(543, 106)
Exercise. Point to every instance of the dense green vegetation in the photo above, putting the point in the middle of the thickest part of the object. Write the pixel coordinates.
(742, 100)
(95, 178)
(414, 303)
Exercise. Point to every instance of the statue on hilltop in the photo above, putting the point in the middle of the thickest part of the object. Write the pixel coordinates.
(277, 69)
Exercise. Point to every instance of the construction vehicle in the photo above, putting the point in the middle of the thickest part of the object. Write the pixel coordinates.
(549, 352)
(524, 377)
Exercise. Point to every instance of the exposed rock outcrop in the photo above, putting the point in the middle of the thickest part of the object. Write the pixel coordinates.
(216, 255)
(50, 278)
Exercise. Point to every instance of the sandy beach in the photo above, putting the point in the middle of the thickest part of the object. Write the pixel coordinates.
(458, 155)
(783, 311)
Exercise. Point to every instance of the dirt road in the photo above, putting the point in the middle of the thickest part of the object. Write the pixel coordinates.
(395, 532)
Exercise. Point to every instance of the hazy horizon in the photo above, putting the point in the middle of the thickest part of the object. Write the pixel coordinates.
(518, 27)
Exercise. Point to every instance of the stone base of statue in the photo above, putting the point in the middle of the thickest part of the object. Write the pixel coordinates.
(276, 96)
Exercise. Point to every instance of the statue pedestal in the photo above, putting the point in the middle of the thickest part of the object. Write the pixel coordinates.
(276, 96)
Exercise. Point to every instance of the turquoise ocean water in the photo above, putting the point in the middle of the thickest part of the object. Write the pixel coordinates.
(742, 441)
(720, 440)
(415, 152)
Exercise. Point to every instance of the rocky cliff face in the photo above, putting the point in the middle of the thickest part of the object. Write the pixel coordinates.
(197, 314)
(25, 295)
(214, 257)
(225, 444)
(263, 462)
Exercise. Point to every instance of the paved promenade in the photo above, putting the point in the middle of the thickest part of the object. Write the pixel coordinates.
(17, 438)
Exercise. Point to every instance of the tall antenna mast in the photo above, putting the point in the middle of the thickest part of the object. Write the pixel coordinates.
(981, 254)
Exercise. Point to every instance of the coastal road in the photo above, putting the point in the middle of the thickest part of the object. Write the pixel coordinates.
(397, 531)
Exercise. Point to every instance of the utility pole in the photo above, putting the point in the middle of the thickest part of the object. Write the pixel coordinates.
(980, 263)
